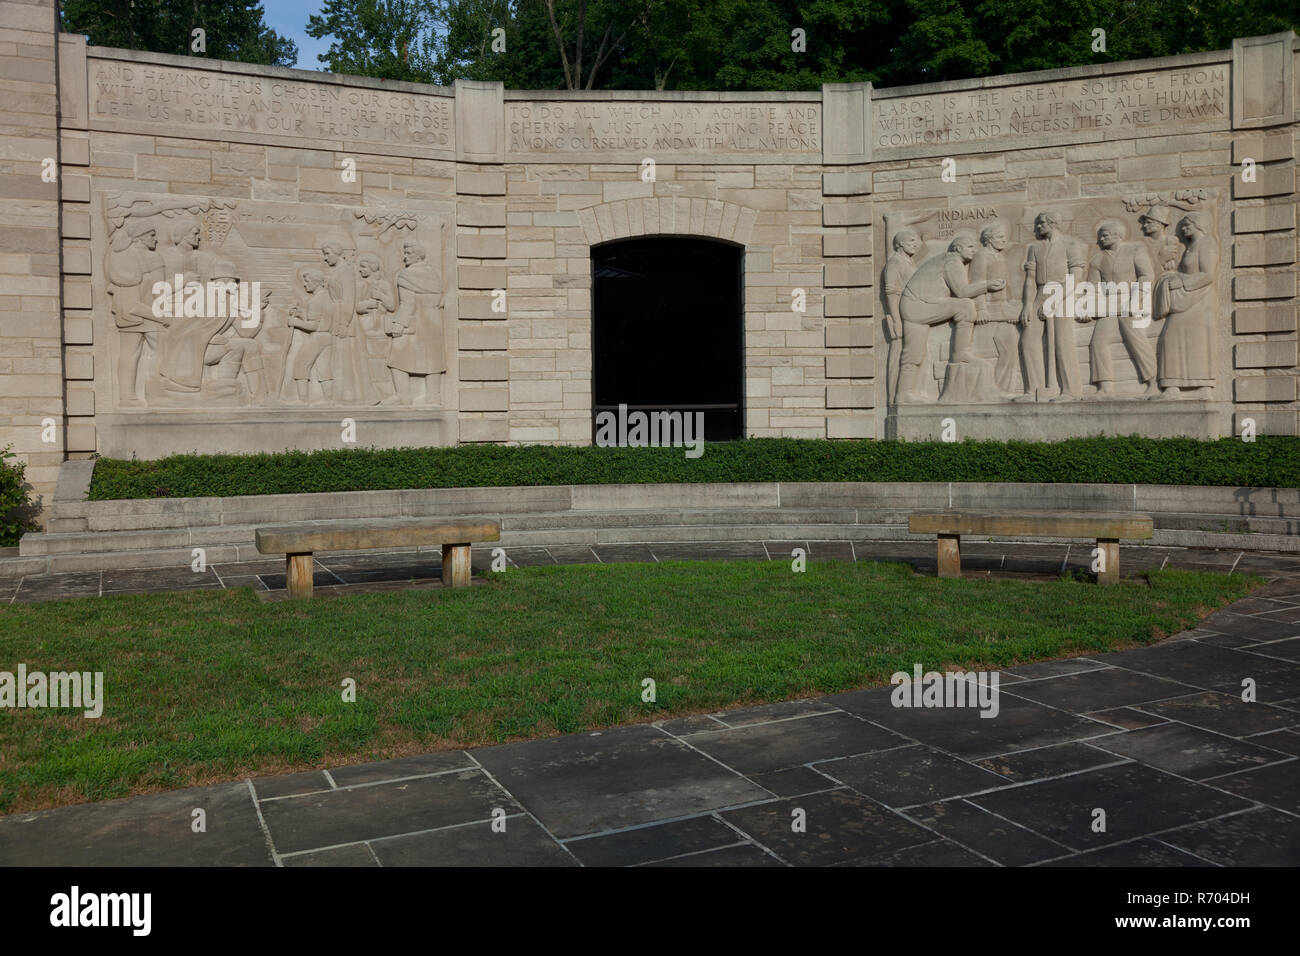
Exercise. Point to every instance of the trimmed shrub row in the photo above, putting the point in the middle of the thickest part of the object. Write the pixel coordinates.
(1266, 462)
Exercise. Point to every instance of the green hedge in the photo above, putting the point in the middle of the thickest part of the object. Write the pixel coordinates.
(14, 503)
(1266, 462)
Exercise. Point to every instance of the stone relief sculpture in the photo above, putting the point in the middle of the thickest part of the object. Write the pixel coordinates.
(1133, 318)
(313, 305)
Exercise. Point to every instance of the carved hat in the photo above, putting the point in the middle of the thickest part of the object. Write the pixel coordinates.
(1158, 213)
(135, 228)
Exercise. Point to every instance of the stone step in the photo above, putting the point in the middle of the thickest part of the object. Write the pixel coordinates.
(1222, 524)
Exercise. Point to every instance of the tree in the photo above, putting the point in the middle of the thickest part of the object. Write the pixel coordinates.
(388, 39)
(233, 29)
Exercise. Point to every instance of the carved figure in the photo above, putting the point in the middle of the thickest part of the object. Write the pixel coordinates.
(181, 360)
(376, 298)
(233, 352)
(131, 272)
(1128, 263)
(1052, 257)
(898, 269)
(1185, 300)
(312, 323)
(1164, 248)
(416, 351)
(939, 291)
(348, 356)
(993, 310)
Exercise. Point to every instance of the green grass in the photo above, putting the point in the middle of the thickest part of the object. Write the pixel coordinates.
(1267, 462)
(214, 685)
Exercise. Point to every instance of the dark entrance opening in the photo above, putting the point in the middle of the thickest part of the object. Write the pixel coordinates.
(667, 330)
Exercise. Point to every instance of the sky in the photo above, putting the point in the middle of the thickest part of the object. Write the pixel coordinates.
(289, 19)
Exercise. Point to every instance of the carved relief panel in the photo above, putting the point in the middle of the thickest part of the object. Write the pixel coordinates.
(1086, 300)
(208, 303)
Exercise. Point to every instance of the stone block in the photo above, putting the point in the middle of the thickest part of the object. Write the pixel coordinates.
(1265, 388)
(1264, 252)
(1262, 147)
(1274, 217)
(79, 364)
(1263, 71)
(846, 275)
(850, 396)
(848, 305)
(481, 214)
(480, 307)
(846, 183)
(852, 244)
(1268, 285)
(853, 426)
(483, 400)
(74, 151)
(80, 401)
(474, 338)
(1249, 319)
(849, 335)
(846, 123)
(1269, 181)
(75, 188)
(484, 369)
(1268, 422)
(481, 182)
(1276, 353)
(481, 277)
(846, 214)
(846, 364)
(481, 247)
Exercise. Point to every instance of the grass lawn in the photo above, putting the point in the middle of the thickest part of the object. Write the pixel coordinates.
(215, 685)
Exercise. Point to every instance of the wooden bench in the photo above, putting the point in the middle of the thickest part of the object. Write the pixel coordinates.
(1107, 528)
(298, 541)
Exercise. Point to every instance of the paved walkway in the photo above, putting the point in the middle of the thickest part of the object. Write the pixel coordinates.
(381, 571)
(1158, 738)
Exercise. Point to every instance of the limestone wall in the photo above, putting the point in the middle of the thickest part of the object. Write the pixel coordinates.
(408, 207)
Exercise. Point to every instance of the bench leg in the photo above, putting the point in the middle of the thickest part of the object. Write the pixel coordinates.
(455, 565)
(298, 574)
(949, 555)
(1109, 561)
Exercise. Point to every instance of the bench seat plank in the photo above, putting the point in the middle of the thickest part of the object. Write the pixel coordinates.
(354, 534)
(1055, 524)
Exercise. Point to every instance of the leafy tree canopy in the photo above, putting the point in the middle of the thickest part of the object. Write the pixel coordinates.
(234, 29)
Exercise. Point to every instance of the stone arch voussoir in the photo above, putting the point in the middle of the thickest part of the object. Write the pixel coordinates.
(668, 216)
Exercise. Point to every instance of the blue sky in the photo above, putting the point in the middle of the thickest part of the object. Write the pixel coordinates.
(289, 18)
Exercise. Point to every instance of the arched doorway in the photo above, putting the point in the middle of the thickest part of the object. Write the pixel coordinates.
(668, 329)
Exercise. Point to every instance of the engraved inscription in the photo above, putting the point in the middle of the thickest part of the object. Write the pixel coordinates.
(535, 127)
(1116, 104)
(207, 103)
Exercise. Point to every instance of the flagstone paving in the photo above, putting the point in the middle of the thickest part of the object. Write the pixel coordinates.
(1158, 738)
(387, 571)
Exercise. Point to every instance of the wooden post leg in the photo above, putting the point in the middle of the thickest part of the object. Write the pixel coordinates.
(298, 574)
(455, 565)
(949, 555)
(1109, 558)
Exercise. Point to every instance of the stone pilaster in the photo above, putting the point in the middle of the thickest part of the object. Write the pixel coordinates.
(31, 347)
